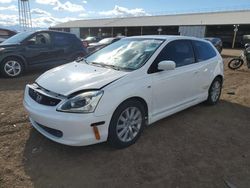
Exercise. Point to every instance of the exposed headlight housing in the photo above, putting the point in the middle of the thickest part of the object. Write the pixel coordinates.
(83, 103)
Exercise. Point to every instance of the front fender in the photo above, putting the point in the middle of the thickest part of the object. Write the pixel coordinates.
(122, 90)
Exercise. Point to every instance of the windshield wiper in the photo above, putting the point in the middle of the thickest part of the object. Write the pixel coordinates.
(106, 65)
(80, 59)
(112, 66)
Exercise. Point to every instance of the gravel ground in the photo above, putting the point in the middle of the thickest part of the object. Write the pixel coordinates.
(202, 146)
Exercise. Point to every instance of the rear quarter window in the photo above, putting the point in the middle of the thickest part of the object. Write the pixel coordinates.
(62, 39)
(203, 50)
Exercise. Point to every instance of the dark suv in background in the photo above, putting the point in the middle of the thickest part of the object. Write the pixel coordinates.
(38, 49)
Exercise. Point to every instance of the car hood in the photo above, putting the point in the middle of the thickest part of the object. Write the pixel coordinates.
(73, 77)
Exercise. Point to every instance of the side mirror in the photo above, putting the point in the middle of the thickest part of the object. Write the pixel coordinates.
(30, 42)
(166, 65)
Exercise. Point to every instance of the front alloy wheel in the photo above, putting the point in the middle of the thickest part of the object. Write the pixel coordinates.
(127, 124)
(12, 67)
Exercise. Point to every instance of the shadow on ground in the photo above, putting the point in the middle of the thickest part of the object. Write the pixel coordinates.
(199, 147)
(7, 84)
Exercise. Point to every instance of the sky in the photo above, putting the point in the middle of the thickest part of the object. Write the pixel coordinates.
(46, 13)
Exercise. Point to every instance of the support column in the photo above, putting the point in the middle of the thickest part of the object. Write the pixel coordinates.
(126, 31)
(89, 31)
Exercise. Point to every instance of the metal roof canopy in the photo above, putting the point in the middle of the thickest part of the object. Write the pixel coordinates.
(212, 18)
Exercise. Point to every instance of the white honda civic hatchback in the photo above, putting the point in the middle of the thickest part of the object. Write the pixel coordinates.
(115, 92)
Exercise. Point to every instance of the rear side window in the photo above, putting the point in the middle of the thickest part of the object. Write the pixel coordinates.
(179, 51)
(61, 39)
(203, 51)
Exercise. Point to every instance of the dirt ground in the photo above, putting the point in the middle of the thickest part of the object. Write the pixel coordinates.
(201, 147)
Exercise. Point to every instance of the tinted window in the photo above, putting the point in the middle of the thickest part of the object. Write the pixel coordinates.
(40, 39)
(61, 39)
(179, 51)
(203, 51)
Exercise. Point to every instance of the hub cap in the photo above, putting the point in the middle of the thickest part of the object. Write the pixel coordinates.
(215, 91)
(129, 124)
(12, 68)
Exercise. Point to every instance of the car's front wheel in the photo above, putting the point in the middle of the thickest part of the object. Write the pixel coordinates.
(11, 67)
(127, 124)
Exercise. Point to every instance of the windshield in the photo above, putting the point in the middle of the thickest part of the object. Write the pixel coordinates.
(17, 38)
(127, 53)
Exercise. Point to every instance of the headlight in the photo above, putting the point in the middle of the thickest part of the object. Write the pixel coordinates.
(82, 103)
(1, 49)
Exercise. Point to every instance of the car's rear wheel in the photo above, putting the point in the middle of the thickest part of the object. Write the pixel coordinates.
(127, 124)
(11, 67)
(214, 91)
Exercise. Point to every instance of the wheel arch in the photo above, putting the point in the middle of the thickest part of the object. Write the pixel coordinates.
(18, 57)
(220, 77)
(137, 98)
(112, 133)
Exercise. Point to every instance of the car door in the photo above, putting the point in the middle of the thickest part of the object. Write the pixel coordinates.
(206, 62)
(176, 88)
(62, 47)
(38, 49)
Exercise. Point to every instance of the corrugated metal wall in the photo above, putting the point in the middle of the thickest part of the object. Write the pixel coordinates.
(194, 31)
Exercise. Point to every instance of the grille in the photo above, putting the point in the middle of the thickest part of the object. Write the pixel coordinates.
(54, 132)
(43, 99)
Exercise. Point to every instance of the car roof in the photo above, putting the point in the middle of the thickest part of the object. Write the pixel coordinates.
(50, 31)
(166, 37)
(212, 38)
(109, 38)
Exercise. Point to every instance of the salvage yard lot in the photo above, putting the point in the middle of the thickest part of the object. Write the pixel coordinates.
(202, 146)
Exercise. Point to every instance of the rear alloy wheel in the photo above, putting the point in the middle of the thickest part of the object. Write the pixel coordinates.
(214, 91)
(127, 124)
(12, 67)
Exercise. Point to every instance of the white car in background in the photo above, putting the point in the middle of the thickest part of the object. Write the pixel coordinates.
(115, 92)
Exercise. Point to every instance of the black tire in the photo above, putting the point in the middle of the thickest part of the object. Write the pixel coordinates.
(211, 100)
(113, 137)
(6, 61)
(235, 63)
